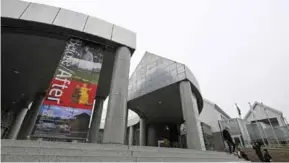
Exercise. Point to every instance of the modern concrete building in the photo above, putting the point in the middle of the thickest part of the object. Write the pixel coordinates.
(165, 94)
(33, 40)
(155, 96)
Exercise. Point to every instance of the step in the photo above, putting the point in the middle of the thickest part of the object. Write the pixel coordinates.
(184, 159)
(23, 150)
(52, 158)
(62, 151)
(84, 152)
(62, 145)
(156, 150)
(187, 155)
(94, 146)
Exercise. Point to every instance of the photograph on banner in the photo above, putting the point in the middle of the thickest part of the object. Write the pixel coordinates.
(67, 107)
(62, 122)
(82, 60)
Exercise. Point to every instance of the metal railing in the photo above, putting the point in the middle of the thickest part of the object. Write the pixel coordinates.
(273, 136)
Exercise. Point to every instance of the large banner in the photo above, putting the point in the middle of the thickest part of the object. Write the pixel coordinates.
(66, 110)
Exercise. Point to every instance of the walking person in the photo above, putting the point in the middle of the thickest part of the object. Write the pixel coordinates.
(258, 151)
(227, 137)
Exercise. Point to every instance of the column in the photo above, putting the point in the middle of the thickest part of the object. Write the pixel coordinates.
(191, 116)
(31, 116)
(142, 132)
(14, 130)
(152, 136)
(131, 133)
(95, 120)
(116, 118)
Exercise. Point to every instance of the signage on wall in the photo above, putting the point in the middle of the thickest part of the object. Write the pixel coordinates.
(66, 110)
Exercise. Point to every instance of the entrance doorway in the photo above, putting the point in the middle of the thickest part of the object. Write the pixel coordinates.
(168, 136)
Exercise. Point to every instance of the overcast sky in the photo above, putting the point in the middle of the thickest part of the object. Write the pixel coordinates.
(237, 49)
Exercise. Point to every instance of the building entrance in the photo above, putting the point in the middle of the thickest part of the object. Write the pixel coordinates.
(163, 135)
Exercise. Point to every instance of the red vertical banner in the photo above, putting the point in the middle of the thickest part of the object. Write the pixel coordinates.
(67, 108)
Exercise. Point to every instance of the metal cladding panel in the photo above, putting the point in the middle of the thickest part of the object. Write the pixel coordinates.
(123, 36)
(98, 27)
(70, 19)
(13, 8)
(40, 13)
(191, 77)
(152, 73)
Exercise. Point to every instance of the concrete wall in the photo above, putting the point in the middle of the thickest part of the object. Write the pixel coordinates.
(218, 143)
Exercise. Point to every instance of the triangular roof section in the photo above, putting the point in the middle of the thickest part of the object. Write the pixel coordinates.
(154, 72)
(259, 104)
(149, 57)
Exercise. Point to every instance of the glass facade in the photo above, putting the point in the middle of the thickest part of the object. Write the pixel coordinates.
(155, 72)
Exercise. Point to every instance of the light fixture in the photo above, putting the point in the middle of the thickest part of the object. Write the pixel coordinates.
(160, 102)
(16, 72)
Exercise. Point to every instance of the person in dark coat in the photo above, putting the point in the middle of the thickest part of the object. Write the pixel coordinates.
(229, 140)
(258, 151)
(267, 156)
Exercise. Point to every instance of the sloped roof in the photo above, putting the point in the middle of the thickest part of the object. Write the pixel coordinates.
(259, 104)
(222, 111)
(218, 108)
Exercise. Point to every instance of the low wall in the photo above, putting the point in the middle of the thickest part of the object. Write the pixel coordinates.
(278, 154)
(218, 143)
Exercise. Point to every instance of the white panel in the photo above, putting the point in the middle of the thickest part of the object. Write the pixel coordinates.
(124, 36)
(70, 19)
(210, 116)
(40, 13)
(13, 8)
(98, 27)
